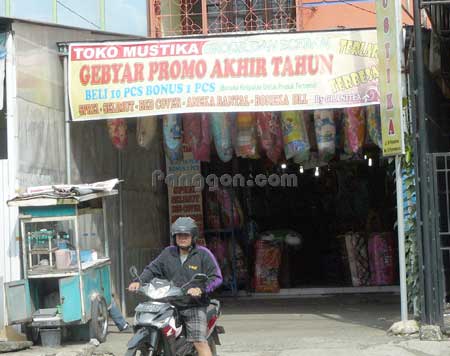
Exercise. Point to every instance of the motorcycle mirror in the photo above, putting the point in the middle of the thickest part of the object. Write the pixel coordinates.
(134, 272)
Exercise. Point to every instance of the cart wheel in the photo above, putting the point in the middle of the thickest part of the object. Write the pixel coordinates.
(98, 325)
(32, 334)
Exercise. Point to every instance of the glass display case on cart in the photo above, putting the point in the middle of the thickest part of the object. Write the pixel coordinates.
(66, 267)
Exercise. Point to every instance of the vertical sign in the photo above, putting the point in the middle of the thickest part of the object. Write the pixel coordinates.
(185, 199)
(389, 51)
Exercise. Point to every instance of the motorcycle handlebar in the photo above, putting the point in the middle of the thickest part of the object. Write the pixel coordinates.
(140, 290)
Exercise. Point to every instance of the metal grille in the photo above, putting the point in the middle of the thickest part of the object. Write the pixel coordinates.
(183, 17)
(441, 187)
(438, 12)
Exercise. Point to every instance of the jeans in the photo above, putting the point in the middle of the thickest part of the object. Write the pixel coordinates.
(117, 316)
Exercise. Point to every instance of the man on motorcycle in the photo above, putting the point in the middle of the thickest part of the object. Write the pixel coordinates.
(179, 263)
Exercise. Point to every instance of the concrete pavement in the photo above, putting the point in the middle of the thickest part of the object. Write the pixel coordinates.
(323, 326)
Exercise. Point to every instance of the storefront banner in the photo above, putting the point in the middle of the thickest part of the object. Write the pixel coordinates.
(270, 72)
(184, 199)
(390, 44)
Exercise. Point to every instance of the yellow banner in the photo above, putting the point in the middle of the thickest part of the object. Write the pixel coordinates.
(390, 50)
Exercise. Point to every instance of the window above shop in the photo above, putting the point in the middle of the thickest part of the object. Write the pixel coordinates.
(176, 17)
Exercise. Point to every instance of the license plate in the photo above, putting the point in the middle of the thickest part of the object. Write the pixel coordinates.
(149, 308)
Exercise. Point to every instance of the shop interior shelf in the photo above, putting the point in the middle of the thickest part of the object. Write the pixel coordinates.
(53, 271)
(41, 251)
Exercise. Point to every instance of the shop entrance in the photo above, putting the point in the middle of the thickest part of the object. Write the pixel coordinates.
(321, 221)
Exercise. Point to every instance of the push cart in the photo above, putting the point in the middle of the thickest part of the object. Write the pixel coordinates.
(66, 267)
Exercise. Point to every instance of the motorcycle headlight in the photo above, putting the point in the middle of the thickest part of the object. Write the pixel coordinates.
(161, 323)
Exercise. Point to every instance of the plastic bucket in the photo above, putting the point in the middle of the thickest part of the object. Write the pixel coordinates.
(50, 337)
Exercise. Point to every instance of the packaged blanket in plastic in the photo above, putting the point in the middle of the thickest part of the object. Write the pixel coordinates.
(203, 151)
(268, 128)
(357, 258)
(240, 262)
(267, 265)
(382, 259)
(220, 125)
(196, 135)
(355, 129)
(146, 131)
(310, 129)
(339, 123)
(212, 210)
(374, 124)
(232, 214)
(325, 129)
(173, 142)
(296, 143)
(245, 127)
(218, 248)
(118, 133)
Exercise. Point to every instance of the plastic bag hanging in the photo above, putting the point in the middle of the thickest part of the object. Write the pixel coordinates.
(268, 128)
(355, 129)
(146, 131)
(295, 136)
(203, 152)
(325, 134)
(373, 119)
(245, 127)
(196, 135)
(118, 133)
(172, 131)
(340, 130)
(220, 124)
(308, 116)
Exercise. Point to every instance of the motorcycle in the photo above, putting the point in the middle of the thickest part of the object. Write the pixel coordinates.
(158, 328)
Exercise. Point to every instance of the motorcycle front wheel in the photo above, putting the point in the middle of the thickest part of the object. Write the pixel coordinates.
(141, 350)
(145, 350)
(212, 346)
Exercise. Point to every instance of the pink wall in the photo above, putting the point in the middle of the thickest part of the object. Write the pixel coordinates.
(343, 15)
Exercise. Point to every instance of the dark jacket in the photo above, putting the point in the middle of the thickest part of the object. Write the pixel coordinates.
(168, 266)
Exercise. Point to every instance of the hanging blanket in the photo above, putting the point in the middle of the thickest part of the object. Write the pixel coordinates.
(246, 135)
(146, 131)
(173, 137)
(118, 133)
(325, 134)
(268, 127)
(355, 129)
(220, 124)
(374, 124)
(196, 135)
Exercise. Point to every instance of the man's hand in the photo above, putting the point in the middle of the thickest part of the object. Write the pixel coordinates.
(194, 292)
(134, 286)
